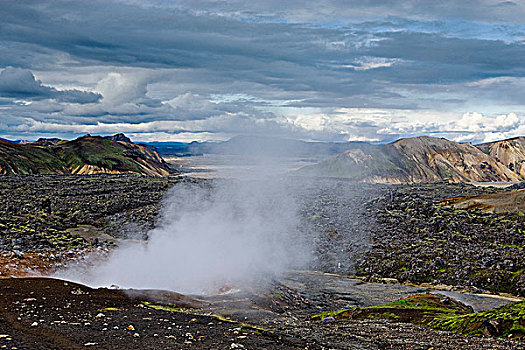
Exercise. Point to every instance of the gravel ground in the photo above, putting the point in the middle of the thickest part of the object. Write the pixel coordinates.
(375, 231)
(418, 241)
(39, 313)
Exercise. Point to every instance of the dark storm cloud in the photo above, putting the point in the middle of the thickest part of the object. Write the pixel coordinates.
(291, 57)
(22, 84)
(128, 35)
(472, 58)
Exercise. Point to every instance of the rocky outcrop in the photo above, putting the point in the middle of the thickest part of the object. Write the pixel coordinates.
(119, 137)
(420, 159)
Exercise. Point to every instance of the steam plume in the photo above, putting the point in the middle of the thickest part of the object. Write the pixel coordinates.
(230, 232)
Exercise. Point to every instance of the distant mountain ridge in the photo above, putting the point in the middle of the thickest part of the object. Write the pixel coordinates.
(247, 145)
(428, 159)
(84, 155)
(418, 159)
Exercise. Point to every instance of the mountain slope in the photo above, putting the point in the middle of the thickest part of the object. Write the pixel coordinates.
(420, 159)
(26, 159)
(85, 155)
(509, 152)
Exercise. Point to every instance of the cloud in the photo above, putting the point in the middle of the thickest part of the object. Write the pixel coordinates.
(469, 127)
(189, 38)
(118, 89)
(21, 83)
(506, 4)
(295, 68)
(476, 122)
(191, 106)
(126, 98)
(374, 125)
(366, 63)
(323, 11)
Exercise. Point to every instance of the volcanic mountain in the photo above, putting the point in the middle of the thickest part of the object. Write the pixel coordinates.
(427, 159)
(509, 152)
(85, 155)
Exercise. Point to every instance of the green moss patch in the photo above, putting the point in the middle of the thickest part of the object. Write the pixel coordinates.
(507, 321)
(442, 313)
(171, 308)
(419, 308)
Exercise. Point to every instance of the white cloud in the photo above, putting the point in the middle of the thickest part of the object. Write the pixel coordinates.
(367, 63)
(372, 125)
(378, 124)
(118, 89)
(476, 122)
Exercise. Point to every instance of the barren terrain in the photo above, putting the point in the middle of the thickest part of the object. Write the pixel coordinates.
(383, 233)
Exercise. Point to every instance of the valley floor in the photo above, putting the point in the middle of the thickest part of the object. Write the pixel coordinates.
(396, 232)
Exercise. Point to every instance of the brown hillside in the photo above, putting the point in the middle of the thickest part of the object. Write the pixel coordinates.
(510, 153)
(419, 159)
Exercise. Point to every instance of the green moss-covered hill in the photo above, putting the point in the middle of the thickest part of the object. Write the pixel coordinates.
(85, 155)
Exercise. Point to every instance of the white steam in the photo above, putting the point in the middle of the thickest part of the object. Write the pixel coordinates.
(230, 233)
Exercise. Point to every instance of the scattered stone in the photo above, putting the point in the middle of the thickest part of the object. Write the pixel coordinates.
(328, 319)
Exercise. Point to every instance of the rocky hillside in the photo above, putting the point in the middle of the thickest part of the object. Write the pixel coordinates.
(85, 155)
(509, 152)
(423, 159)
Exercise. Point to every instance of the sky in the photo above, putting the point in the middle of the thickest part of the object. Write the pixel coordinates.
(207, 70)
